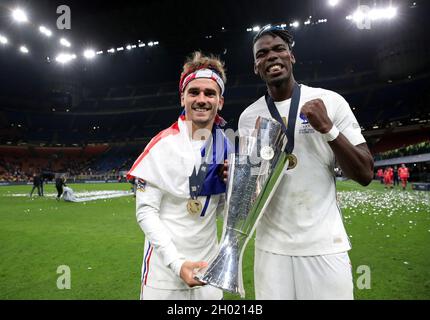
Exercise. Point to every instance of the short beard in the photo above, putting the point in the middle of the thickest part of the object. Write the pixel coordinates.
(279, 82)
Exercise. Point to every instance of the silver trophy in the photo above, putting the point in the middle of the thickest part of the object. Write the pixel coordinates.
(253, 176)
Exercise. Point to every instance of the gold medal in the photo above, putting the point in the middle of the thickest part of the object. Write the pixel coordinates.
(194, 206)
(292, 161)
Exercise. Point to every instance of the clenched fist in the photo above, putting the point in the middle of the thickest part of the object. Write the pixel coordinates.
(316, 113)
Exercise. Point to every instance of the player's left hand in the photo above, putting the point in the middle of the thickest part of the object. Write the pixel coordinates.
(316, 113)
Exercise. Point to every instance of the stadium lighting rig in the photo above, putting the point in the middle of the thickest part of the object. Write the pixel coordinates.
(295, 24)
(64, 42)
(387, 13)
(374, 14)
(333, 3)
(89, 54)
(3, 40)
(362, 14)
(64, 58)
(23, 49)
(19, 15)
(45, 31)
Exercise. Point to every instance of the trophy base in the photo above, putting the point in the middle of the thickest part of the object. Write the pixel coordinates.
(223, 272)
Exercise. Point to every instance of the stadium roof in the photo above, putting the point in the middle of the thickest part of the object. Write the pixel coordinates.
(408, 159)
(181, 27)
(331, 52)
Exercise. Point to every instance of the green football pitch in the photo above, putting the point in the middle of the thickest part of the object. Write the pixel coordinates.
(102, 244)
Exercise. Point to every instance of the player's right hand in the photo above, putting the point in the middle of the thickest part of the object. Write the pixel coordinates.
(189, 269)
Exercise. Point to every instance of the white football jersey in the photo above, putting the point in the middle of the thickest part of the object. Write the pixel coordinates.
(303, 217)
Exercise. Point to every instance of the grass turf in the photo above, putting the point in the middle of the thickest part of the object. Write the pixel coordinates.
(102, 244)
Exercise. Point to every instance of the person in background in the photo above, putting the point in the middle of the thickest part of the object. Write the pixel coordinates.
(388, 178)
(60, 182)
(380, 175)
(395, 176)
(36, 185)
(404, 175)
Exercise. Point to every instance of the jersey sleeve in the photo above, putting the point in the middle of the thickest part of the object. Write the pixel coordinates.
(345, 121)
(148, 200)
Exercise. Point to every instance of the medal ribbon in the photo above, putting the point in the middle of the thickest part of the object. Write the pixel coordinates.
(292, 116)
(197, 179)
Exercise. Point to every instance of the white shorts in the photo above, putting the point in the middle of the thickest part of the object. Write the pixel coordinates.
(279, 277)
(201, 293)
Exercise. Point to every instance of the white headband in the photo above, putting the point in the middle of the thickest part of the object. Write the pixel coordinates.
(203, 73)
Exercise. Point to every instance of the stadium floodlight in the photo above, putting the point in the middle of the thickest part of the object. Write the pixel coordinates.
(45, 31)
(156, 43)
(3, 39)
(89, 54)
(99, 52)
(391, 12)
(150, 44)
(24, 49)
(256, 28)
(295, 24)
(141, 45)
(333, 3)
(248, 29)
(133, 46)
(128, 47)
(65, 43)
(384, 13)
(19, 15)
(373, 14)
(120, 49)
(64, 58)
(358, 16)
(111, 50)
